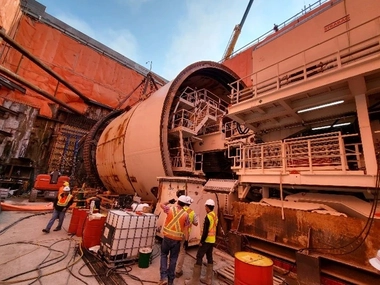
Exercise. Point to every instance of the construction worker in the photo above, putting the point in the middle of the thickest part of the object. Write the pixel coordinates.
(193, 221)
(176, 228)
(61, 204)
(206, 246)
(60, 190)
(54, 175)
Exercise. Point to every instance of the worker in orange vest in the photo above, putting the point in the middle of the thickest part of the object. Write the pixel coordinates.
(176, 228)
(206, 247)
(193, 222)
(61, 204)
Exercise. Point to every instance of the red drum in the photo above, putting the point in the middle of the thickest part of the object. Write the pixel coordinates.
(81, 220)
(93, 232)
(75, 220)
(253, 269)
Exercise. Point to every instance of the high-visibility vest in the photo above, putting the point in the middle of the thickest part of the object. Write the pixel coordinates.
(63, 201)
(211, 237)
(191, 214)
(60, 190)
(174, 224)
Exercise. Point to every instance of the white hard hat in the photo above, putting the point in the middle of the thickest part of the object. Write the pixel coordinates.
(189, 200)
(66, 189)
(210, 202)
(375, 262)
(183, 199)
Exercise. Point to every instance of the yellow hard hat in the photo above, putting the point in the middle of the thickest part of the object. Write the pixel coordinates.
(66, 183)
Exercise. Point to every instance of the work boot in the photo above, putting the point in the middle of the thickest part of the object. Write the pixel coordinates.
(196, 274)
(46, 231)
(209, 273)
(57, 229)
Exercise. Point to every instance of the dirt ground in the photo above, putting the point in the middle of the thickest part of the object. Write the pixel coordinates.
(29, 256)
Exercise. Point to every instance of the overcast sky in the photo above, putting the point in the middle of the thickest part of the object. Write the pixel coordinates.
(171, 34)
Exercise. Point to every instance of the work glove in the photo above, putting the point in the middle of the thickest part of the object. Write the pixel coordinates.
(186, 244)
(172, 201)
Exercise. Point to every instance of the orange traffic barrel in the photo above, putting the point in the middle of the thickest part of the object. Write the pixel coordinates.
(81, 221)
(253, 269)
(92, 232)
(75, 220)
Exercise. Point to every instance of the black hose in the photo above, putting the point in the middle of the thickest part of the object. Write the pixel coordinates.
(238, 127)
(19, 220)
(40, 267)
(366, 229)
(70, 269)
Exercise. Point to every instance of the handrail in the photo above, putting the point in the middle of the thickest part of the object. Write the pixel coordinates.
(186, 95)
(312, 153)
(313, 136)
(302, 69)
(196, 96)
(221, 104)
(181, 118)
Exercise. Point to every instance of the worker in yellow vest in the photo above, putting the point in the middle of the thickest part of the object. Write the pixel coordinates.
(176, 228)
(193, 222)
(206, 246)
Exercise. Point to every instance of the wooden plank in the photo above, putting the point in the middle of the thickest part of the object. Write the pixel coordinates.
(228, 277)
(227, 274)
(226, 280)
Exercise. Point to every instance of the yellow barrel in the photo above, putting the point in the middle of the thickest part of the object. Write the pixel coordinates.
(253, 269)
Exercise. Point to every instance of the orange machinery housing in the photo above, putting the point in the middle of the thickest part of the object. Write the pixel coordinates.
(42, 183)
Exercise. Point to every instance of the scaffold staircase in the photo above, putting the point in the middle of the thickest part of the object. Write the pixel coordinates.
(194, 110)
(206, 113)
(183, 158)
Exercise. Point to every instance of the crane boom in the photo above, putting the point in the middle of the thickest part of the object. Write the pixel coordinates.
(236, 33)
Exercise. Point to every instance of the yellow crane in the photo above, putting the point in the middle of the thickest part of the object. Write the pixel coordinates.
(235, 34)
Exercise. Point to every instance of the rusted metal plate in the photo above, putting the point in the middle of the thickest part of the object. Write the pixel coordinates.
(308, 269)
(235, 242)
(110, 161)
(333, 237)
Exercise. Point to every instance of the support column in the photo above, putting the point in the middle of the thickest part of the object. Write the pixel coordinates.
(265, 192)
(308, 269)
(366, 134)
